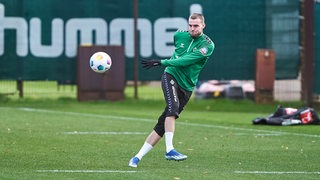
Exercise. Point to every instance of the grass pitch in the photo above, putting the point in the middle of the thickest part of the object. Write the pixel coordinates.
(65, 139)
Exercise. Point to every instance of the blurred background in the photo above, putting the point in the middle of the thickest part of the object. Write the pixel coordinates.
(266, 50)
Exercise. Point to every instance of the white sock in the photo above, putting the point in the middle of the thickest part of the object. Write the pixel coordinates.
(144, 150)
(169, 141)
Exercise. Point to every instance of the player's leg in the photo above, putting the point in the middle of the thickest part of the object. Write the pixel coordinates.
(171, 153)
(169, 132)
(170, 90)
(183, 98)
(150, 141)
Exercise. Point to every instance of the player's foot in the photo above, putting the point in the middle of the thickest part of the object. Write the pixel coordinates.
(175, 155)
(134, 162)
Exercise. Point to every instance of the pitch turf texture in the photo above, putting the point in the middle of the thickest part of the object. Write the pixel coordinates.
(65, 139)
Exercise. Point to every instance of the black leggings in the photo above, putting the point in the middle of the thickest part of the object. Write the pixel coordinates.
(176, 99)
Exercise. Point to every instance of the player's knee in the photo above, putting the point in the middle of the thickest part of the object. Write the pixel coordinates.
(159, 130)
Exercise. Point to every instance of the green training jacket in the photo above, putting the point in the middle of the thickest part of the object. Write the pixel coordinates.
(188, 59)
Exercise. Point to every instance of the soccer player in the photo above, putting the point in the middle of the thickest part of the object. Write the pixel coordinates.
(192, 51)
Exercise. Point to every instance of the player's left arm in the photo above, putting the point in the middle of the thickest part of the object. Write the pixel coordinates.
(197, 55)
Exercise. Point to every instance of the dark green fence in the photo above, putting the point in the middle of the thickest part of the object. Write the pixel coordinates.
(41, 43)
(316, 88)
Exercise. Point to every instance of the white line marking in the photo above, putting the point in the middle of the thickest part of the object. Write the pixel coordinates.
(84, 171)
(250, 130)
(276, 172)
(153, 121)
(266, 134)
(84, 114)
(107, 133)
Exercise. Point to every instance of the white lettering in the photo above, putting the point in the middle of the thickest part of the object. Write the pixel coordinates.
(91, 31)
(119, 25)
(164, 29)
(195, 8)
(85, 27)
(39, 50)
(21, 27)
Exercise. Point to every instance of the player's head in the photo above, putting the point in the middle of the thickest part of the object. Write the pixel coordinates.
(196, 24)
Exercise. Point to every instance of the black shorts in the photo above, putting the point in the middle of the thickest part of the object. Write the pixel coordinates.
(176, 98)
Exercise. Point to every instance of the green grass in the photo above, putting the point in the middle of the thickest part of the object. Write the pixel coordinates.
(217, 135)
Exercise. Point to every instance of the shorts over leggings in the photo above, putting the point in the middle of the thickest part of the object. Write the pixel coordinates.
(176, 99)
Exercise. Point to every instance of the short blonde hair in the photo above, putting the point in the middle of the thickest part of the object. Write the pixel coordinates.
(197, 16)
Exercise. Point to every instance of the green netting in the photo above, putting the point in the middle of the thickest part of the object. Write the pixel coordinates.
(316, 88)
(238, 28)
(282, 35)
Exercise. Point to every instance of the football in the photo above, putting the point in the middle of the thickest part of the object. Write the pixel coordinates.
(100, 62)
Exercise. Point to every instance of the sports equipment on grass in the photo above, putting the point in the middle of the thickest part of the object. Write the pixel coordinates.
(100, 62)
(175, 155)
(286, 116)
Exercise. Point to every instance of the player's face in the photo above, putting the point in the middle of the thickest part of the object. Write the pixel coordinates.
(196, 27)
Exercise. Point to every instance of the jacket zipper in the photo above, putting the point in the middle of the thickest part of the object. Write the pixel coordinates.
(190, 45)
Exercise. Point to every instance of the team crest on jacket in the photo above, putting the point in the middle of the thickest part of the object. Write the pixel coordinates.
(204, 51)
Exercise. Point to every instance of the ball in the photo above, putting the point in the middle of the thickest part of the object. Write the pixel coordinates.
(100, 62)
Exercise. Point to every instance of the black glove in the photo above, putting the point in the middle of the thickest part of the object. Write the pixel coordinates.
(147, 64)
